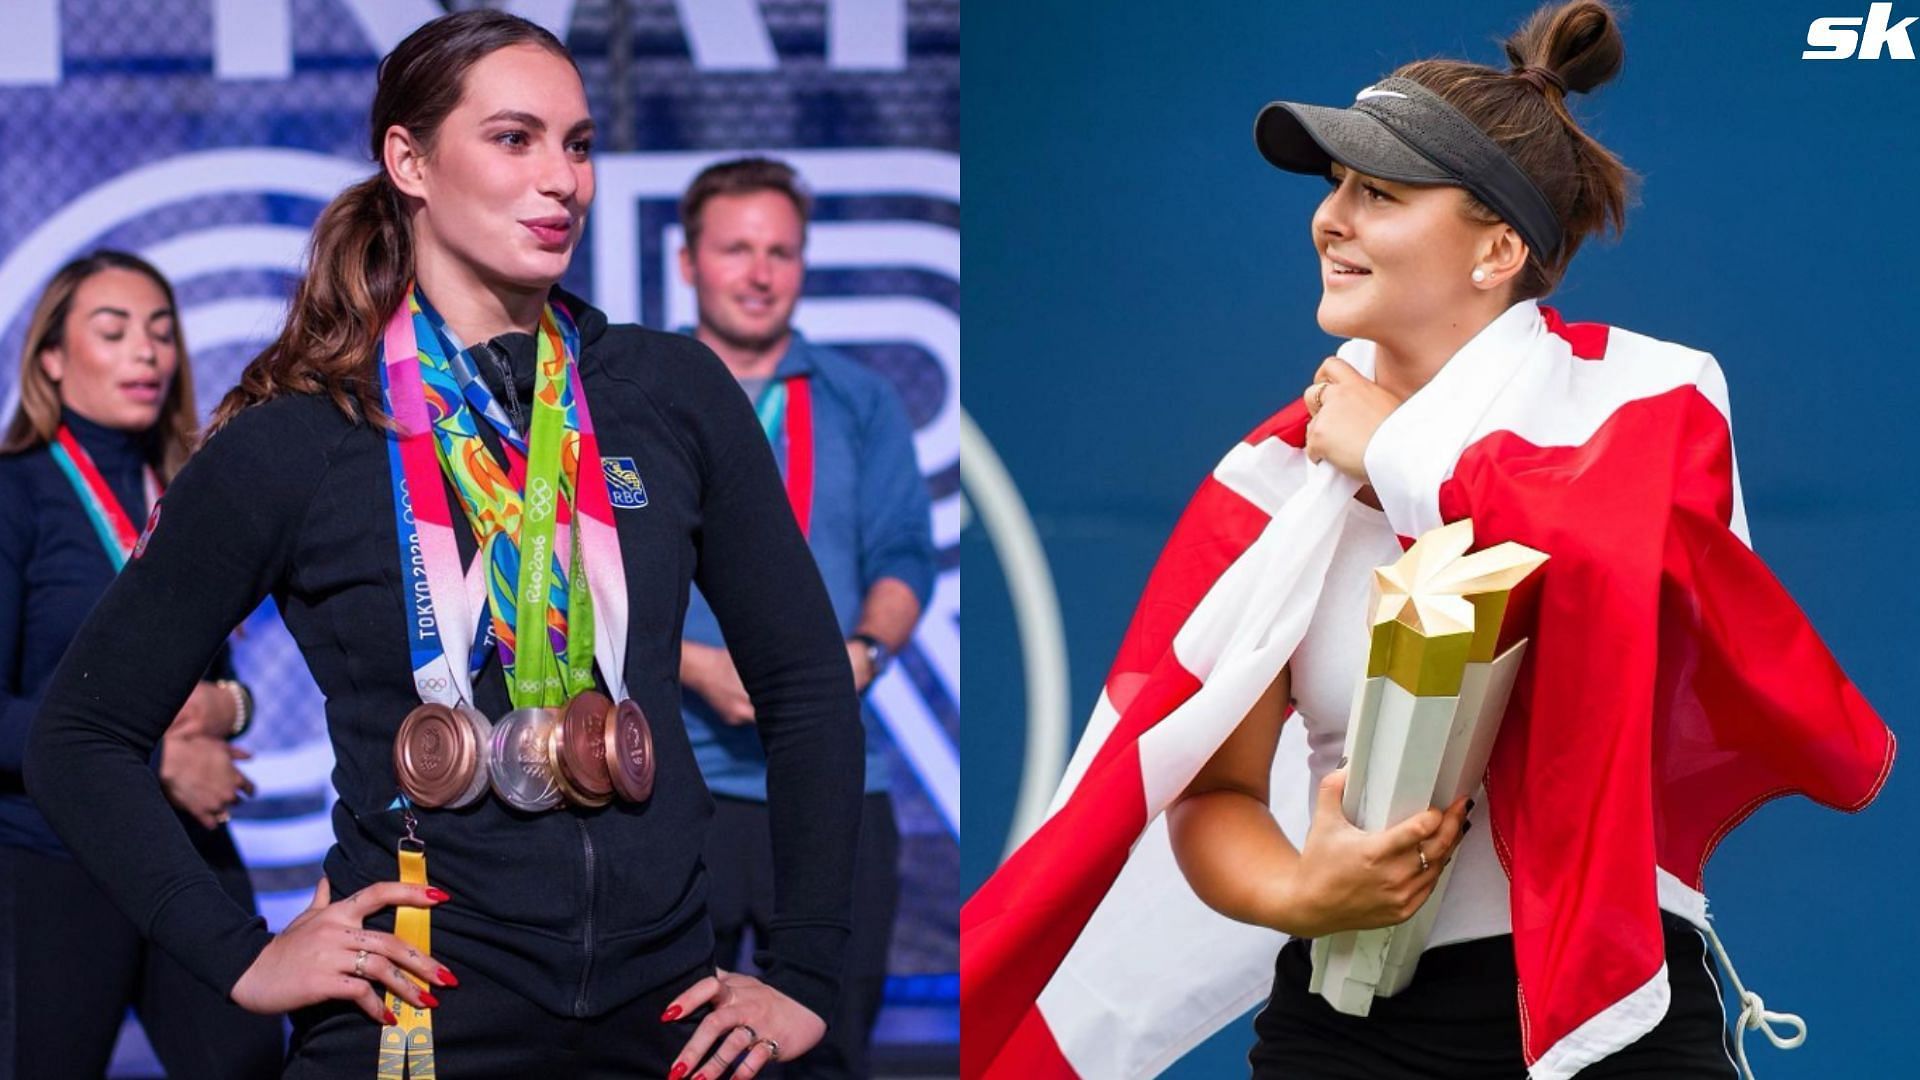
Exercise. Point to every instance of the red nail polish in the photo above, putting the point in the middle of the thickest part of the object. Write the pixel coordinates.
(438, 896)
(679, 1070)
(390, 1019)
(672, 1014)
(429, 1000)
(447, 978)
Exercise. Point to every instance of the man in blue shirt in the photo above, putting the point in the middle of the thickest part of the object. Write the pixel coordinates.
(845, 447)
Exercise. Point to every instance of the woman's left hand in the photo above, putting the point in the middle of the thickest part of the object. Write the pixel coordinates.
(1347, 408)
(749, 1018)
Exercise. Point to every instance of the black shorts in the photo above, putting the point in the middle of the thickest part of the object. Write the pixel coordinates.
(1460, 1017)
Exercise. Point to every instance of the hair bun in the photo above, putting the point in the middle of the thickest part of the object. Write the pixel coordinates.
(1575, 46)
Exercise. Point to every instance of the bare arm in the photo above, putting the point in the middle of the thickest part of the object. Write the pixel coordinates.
(889, 613)
(1224, 836)
(1240, 864)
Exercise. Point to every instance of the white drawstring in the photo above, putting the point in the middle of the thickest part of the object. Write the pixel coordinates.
(1754, 1014)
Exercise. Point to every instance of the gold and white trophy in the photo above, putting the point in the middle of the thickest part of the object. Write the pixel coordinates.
(1422, 726)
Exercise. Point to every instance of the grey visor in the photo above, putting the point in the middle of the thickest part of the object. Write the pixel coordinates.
(1399, 130)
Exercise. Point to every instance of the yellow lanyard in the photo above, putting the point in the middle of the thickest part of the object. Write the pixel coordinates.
(406, 1047)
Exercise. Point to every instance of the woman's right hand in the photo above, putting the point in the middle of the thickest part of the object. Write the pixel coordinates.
(1351, 879)
(315, 957)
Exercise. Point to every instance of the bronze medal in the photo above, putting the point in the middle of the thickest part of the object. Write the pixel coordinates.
(630, 762)
(563, 777)
(483, 742)
(582, 746)
(437, 757)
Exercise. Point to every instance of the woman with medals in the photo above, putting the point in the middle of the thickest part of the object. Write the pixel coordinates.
(1668, 688)
(480, 508)
(106, 418)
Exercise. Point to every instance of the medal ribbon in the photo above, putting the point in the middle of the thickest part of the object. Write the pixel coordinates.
(110, 521)
(522, 517)
(441, 392)
(406, 1048)
(443, 665)
(518, 511)
(786, 405)
(599, 539)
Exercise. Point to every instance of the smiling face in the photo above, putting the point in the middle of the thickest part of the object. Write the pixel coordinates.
(1397, 259)
(117, 352)
(507, 179)
(746, 268)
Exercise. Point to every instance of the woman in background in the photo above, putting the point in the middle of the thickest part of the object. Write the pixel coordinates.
(106, 419)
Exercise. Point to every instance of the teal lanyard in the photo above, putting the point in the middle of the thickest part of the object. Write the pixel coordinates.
(772, 408)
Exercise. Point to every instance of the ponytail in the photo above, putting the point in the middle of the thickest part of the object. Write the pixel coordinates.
(359, 264)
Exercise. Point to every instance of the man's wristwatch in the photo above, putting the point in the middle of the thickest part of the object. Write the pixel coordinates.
(878, 656)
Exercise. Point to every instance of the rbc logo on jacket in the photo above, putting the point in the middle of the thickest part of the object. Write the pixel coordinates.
(624, 488)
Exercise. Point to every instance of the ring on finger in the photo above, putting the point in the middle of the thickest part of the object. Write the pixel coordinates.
(773, 1049)
(1422, 852)
(1317, 401)
(360, 964)
(752, 1035)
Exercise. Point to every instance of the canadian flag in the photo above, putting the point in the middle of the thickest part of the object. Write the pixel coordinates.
(1671, 687)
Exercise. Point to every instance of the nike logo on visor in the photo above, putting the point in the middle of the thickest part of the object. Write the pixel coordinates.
(1370, 92)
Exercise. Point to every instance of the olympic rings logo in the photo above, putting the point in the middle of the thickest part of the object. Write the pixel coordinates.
(432, 684)
(540, 497)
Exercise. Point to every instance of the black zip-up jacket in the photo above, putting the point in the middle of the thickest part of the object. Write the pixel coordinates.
(580, 910)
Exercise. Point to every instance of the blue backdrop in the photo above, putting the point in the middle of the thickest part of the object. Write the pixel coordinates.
(1144, 292)
(207, 135)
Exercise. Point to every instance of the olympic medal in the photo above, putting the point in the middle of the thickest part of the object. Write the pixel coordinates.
(483, 742)
(630, 752)
(520, 769)
(436, 756)
(582, 746)
(569, 790)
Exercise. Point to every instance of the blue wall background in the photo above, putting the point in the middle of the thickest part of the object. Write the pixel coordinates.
(1143, 291)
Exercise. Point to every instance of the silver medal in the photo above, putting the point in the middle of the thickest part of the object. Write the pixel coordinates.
(520, 768)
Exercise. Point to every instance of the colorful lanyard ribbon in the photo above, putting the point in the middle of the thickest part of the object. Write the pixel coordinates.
(599, 542)
(431, 389)
(519, 511)
(110, 521)
(788, 404)
(443, 666)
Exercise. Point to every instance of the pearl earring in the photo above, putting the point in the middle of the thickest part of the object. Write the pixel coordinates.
(1479, 275)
